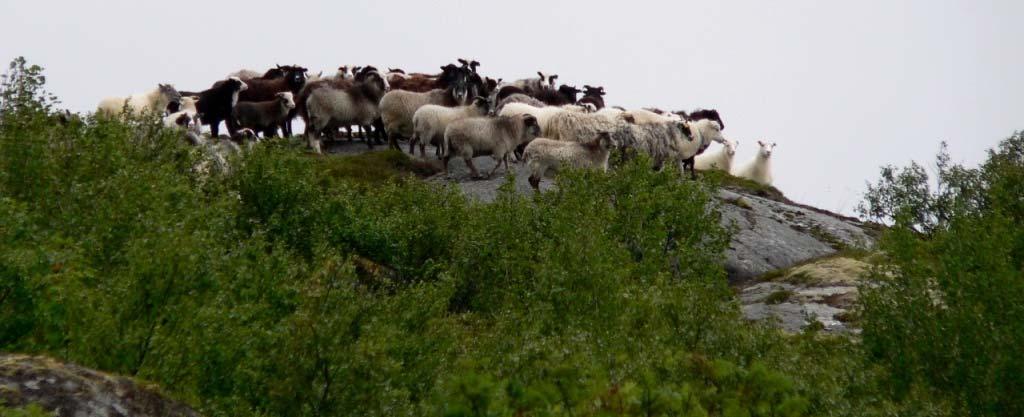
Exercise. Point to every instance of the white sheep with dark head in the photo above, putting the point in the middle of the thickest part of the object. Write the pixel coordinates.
(155, 101)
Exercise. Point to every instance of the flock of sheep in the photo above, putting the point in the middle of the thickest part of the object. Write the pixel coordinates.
(462, 113)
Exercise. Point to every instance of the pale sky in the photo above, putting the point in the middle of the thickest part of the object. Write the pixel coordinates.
(842, 87)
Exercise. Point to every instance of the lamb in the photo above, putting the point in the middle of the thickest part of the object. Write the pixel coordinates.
(215, 104)
(478, 136)
(264, 116)
(721, 159)
(260, 89)
(431, 120)
(546, 154)
(155, 101)
(759, 169)
(355, 105)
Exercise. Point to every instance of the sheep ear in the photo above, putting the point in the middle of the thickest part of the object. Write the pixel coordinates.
(541, 74)
(773, 144)
(759, 143)
(629, 118)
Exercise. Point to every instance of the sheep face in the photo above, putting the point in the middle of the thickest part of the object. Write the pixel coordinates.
(766, 149)
(531, 129)
(169, 93)
(730, 147)
(593, 91)
(569, 92)
(287, 99)
(296, 76)
(482, 104)
(345, 72)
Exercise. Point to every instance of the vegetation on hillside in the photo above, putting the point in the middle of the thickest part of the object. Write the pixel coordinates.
(296, 285)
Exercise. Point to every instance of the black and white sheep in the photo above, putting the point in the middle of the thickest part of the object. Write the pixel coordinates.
(534, 85)
(544, 154)
(215, 104)
(494, 136)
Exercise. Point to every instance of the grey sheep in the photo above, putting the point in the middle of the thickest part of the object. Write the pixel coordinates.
(479, 136)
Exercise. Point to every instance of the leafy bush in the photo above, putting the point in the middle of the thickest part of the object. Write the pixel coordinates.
(947, 311)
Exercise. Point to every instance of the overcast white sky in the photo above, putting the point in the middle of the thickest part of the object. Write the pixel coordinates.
(843, 87)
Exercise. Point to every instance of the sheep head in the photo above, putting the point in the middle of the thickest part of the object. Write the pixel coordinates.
(766, 149)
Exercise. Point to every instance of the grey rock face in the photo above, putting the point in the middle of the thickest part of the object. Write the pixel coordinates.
(769, 235)
(69, 390)
(772, 235)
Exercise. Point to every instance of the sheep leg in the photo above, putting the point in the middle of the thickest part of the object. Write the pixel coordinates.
(472, 168)
(535, 182)
(412, 143)
(497, 164)
(366, 136)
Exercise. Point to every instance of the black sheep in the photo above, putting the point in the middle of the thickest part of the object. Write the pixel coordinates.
(215, 104)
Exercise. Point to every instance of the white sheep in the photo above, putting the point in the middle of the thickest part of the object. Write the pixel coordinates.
(155, 101)
(579, 127)
(758, 169)
(543, 114)
(430, 121)
(720, 159)
(495, 136)
(546, 154)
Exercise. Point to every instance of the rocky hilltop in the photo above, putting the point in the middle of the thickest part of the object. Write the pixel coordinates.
(771, 235)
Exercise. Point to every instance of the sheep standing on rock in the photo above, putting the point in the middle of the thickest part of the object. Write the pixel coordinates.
(264, 116)
(545, 154)
(216, 103)
(356, 105)
(479, 136)
(720, 159)
(155, 101)
(430, 122)
(759, 169)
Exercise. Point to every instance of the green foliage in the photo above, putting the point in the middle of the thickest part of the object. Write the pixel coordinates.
(31, 410)
(946, 311)
(296, 285)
